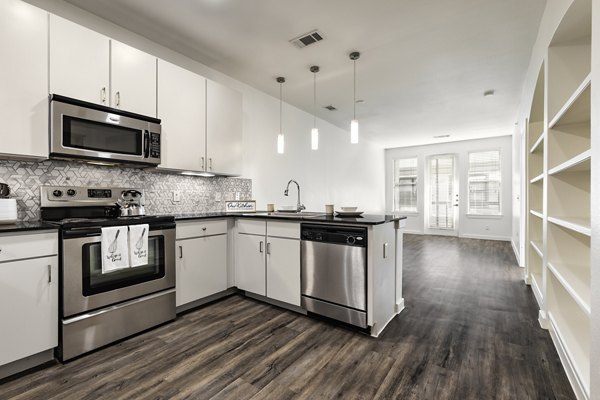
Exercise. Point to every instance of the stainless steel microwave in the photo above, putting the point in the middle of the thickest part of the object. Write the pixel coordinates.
(87, 131)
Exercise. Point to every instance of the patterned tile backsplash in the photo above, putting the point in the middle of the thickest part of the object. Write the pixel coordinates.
(198, 194)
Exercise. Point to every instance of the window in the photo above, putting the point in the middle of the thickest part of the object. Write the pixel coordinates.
(405, 185)
(484, 183)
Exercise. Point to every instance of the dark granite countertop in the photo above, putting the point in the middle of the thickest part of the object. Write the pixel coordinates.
(26, 226)
(365, 219)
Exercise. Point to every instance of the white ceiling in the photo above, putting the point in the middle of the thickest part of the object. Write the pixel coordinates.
(424, 66)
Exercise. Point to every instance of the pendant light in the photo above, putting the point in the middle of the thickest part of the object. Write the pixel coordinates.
(280, 138)
(314, 133)
(354, 123)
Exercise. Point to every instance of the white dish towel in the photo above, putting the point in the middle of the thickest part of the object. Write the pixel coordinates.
(138, 245)
(114, 249)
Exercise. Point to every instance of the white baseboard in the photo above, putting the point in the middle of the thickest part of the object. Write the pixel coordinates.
(411, 232)
(543, 319)
(563, 352)
(516, 251)
(485, 237)
(527, 279)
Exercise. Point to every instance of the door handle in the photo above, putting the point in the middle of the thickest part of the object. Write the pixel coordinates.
(203, 164)
(260, 246)
(210, 164)
(146, 144)
(49, 273)
(103, 95)
(180, 251)
(118, 99)
(385, 247)
(268, 248)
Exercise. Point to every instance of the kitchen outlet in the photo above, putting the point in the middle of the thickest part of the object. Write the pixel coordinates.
(237, 195)
(487, 228)
(218, 196)
(176, 196)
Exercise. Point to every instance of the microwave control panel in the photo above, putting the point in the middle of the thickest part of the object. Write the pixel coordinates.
(154, 145)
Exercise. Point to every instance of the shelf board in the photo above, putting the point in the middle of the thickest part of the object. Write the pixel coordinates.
(537, 213)
(537, 178)
(569, 112)
(580, 292)
(580, 225)
(581, 162)
(538, 142)
(536, 284)
(537, 246)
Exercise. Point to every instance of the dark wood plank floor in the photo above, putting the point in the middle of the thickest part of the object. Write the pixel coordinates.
(469, 331)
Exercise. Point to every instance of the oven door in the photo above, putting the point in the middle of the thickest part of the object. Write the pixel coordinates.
(86, 288)
(87, 133)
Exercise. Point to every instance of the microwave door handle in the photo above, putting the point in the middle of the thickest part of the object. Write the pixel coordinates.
(146, 144)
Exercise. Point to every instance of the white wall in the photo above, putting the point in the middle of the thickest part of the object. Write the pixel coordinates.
(498, 227)
(337, 173)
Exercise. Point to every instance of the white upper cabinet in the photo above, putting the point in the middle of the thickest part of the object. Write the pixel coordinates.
(23, 79)
(223, 129)
(88, 66)
(133, 79)
(79, 62)
(182, 109)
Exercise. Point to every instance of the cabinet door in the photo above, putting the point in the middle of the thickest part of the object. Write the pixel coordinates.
(23, 79)
(182, 109)
(201, 268)
(79, 62)
(250, 263)
(28, 307)
(224, 129)
(133, 79)
(283, 270)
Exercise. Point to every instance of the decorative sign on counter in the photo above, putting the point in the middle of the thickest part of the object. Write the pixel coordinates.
(240, 206)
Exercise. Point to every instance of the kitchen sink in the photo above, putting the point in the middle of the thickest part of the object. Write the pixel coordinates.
(279, 214)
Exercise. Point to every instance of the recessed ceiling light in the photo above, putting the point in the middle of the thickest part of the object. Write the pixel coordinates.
(490, 92)
(441, 136)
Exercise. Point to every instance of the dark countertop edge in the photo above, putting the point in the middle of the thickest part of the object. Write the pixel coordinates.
(368, 219)
(27, 226)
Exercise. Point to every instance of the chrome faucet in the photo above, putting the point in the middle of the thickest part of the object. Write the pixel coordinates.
(299, 206)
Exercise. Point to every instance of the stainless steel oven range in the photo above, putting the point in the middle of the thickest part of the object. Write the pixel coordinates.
(98, 308)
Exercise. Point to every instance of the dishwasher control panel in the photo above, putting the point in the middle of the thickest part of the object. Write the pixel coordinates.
(335, 234)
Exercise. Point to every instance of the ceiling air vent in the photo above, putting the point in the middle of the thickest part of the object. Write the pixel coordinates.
(330, 108)
(307, 39)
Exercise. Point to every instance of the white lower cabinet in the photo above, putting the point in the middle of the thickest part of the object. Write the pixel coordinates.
(269, 265)
(283, 270)
(201, 267)
(250, 264)
(28, 301)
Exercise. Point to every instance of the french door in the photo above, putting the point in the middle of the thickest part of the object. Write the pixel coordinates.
(441, 216)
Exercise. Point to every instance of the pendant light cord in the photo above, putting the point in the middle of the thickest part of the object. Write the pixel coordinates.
(280, 107)
(315, 99)
(354, 95)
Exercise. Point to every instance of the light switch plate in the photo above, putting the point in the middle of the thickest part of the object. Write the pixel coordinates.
(176, 196)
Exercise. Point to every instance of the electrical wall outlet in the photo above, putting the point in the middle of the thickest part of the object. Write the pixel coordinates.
(218, 196)
(176, 196)
(237, 195)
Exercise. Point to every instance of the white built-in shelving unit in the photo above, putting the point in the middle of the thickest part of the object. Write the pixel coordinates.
(558, 195)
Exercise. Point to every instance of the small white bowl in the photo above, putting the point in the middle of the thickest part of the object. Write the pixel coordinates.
(349, 209)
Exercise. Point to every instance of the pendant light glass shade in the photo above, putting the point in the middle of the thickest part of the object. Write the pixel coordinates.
(280, 138)
(354, 131)
(354, 123)
(314, 132)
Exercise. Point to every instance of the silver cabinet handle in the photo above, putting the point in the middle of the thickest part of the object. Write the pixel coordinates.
(180, 251)
(260, 246)
(103, 94)
(210, 164)
(49, 273)
(203, 163)
(385, 247)
(268, 248)
(118, 99)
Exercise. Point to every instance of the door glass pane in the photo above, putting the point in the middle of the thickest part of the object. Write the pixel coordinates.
(94, 281)
(441, 189)
(92, 135)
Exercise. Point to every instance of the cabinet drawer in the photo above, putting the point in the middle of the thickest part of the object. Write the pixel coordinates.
(17, 247)
(201, 228)
(252, 227)
(284, 229)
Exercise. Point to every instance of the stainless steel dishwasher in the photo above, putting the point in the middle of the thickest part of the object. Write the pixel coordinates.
(334, 272)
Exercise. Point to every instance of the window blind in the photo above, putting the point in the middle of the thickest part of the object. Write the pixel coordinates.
(485, 183)
(441, 188)
(405, 185)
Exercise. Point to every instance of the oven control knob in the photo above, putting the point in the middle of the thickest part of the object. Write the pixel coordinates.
(350, 240)
(57, 193)
(71, 192)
